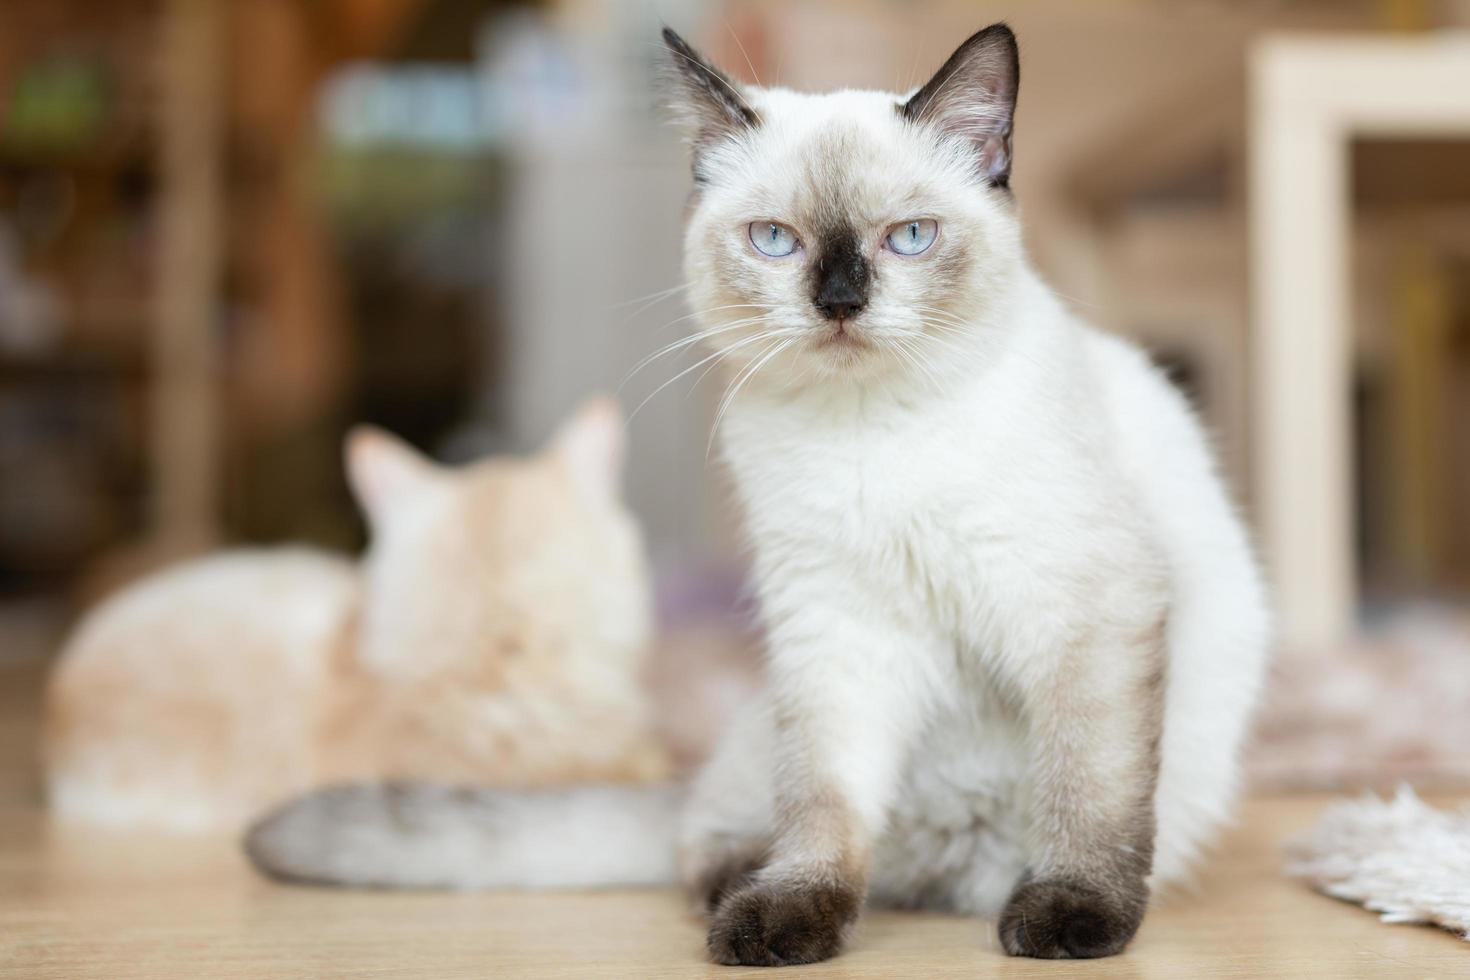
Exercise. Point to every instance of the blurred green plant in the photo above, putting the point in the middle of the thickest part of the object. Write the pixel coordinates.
(57, 105)
(378, 188)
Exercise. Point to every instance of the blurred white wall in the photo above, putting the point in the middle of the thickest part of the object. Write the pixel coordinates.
(593, 231)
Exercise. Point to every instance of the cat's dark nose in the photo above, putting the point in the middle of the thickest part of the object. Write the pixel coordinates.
(838, 299)
(841, 275)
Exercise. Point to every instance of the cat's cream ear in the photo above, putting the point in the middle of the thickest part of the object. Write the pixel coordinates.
(384, 471)
(591, 445)
(974, 96)
(711, 105)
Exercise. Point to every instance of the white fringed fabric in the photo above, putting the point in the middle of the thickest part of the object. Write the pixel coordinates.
(1400, 858)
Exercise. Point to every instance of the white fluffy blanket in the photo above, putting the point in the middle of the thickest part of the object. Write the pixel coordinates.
(1400, 858)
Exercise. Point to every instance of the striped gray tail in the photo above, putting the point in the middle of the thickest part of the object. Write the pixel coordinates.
(408, 835)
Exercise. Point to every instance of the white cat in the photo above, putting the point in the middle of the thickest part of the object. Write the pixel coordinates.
(1016, 630)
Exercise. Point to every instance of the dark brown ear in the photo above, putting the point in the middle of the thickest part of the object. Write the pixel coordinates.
(705, 98)
(974, 96)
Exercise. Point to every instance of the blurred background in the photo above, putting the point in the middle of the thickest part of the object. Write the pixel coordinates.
(231, 228)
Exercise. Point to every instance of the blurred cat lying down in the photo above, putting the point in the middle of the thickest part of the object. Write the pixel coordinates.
(499, 618)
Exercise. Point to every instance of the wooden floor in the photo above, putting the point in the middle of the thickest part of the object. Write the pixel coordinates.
(82, 905)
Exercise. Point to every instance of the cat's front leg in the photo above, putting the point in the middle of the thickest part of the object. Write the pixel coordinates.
(1094, 717)
(846, 695)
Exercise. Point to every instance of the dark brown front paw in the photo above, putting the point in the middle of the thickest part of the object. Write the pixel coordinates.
(1062, 918)
(770, 925)
(725, 877)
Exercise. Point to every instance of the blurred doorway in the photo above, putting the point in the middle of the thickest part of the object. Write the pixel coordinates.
(1310, 98)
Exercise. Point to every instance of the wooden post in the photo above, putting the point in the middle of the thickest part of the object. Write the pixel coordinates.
(185, 398)
(1309, 98)
(1299, 232)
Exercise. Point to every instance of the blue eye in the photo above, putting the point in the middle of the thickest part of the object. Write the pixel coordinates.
(913, 237)
(772, 239)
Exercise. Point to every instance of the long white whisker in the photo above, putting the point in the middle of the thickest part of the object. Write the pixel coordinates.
(1085, 304)
(696, 365)
(706, 373)
(730, 397)
(683, 342)
(937, 309)
(928, 360)
(698, 313)
(734, 384)
(748, 64)
(646, 303)
(953, 348)
(716, 77)
(949, 329)
(969, 354)
(939, 326)
(904, 350)
(927, 366)
(653, 296)
(943, 314)
(895, 345)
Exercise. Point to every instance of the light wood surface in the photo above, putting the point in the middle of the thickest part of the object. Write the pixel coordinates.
(81, 905)
(76, 905)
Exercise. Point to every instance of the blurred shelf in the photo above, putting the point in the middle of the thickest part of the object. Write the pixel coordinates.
(85, 162)
(69, 364)
(108, 173)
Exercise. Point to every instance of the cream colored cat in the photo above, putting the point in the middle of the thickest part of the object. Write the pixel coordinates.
(501, 615)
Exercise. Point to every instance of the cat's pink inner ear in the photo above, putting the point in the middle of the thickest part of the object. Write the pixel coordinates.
(384, 471)
(592, 444)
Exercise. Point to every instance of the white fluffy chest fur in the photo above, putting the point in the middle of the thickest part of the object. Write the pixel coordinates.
(970, 512)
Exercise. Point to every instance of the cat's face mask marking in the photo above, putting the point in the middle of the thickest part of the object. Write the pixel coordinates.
(853, 234)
